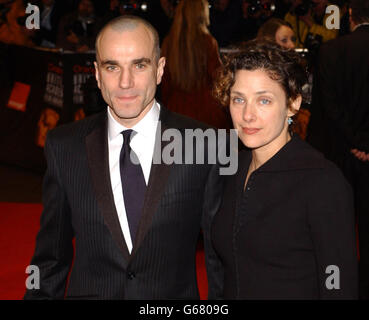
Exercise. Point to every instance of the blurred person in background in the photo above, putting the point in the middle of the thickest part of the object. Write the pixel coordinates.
(254, 14)
(339, 125)
(282, 7)
(78, 30)
(160, 14)
(192, 60)
(225, 17)
(51, 12)
(115, 9)
(12, 23)
(279, 31)
(308, 20)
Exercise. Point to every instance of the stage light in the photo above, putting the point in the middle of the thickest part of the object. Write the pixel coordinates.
(144, 6)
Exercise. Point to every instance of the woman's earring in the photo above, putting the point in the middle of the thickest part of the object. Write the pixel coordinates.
(289, 120)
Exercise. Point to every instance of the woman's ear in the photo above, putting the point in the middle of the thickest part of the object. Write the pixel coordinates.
(294, 106)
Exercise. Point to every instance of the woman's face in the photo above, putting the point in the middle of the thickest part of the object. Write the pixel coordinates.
(285, 37)
(259, 110)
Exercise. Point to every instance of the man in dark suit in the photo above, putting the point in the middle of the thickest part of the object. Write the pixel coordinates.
(339, 124)
(50, 14)
(139, 243)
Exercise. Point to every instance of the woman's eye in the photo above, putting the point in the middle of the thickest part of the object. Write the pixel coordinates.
(238, 100)
(265, 101)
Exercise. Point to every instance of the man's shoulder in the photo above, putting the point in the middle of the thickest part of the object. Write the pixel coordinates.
(356, 38)
(76, 130)
(178, 121)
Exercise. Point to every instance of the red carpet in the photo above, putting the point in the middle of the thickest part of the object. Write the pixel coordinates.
(19, 224)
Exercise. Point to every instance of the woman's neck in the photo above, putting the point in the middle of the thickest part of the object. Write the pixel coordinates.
(263, 154)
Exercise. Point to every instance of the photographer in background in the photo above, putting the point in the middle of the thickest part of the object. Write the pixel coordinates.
(225, 17)
(254, 14)
(50, 13)
(12, 29)
(118, 8)
(307, 18)
(161, 15)
(77, 30)
(115, 9)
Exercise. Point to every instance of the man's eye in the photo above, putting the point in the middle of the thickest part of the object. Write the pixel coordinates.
(140, 66)
(111, 68)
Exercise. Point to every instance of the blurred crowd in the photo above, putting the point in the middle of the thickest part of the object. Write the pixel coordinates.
(73, 24)
(197, 34)
(214, 25)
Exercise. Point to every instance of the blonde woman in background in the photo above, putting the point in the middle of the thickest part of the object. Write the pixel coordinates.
(192, 59)
(279, 31)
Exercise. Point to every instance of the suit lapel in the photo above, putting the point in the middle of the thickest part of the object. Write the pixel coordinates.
(98, 160)
(159, 174)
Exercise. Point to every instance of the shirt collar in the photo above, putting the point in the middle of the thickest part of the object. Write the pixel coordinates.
(146, 126)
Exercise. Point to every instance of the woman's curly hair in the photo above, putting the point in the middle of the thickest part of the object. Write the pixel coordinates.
(282, 65)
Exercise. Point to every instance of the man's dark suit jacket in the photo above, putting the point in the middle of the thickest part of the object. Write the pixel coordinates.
(78, 203)
(340, 113)
(340, 122)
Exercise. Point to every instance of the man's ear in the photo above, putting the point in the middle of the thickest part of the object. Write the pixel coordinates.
(97, 74)
(160, 70)
(294, 106)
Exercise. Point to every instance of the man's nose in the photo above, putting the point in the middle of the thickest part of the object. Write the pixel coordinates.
(126, 79)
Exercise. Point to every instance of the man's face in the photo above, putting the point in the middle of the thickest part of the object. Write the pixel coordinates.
(127, 72)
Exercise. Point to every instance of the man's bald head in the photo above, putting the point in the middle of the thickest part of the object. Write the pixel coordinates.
(130, 23)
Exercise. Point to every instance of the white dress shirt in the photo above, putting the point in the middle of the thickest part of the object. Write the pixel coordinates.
(142, 144)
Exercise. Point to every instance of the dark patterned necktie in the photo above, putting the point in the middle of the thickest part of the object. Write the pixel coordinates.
(133, 183)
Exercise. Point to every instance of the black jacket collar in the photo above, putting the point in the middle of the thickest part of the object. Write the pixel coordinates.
(294, 155)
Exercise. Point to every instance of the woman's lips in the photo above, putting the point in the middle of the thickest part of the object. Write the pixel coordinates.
(250, 131)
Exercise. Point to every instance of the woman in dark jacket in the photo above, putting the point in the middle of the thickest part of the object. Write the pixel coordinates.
(286, 226)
